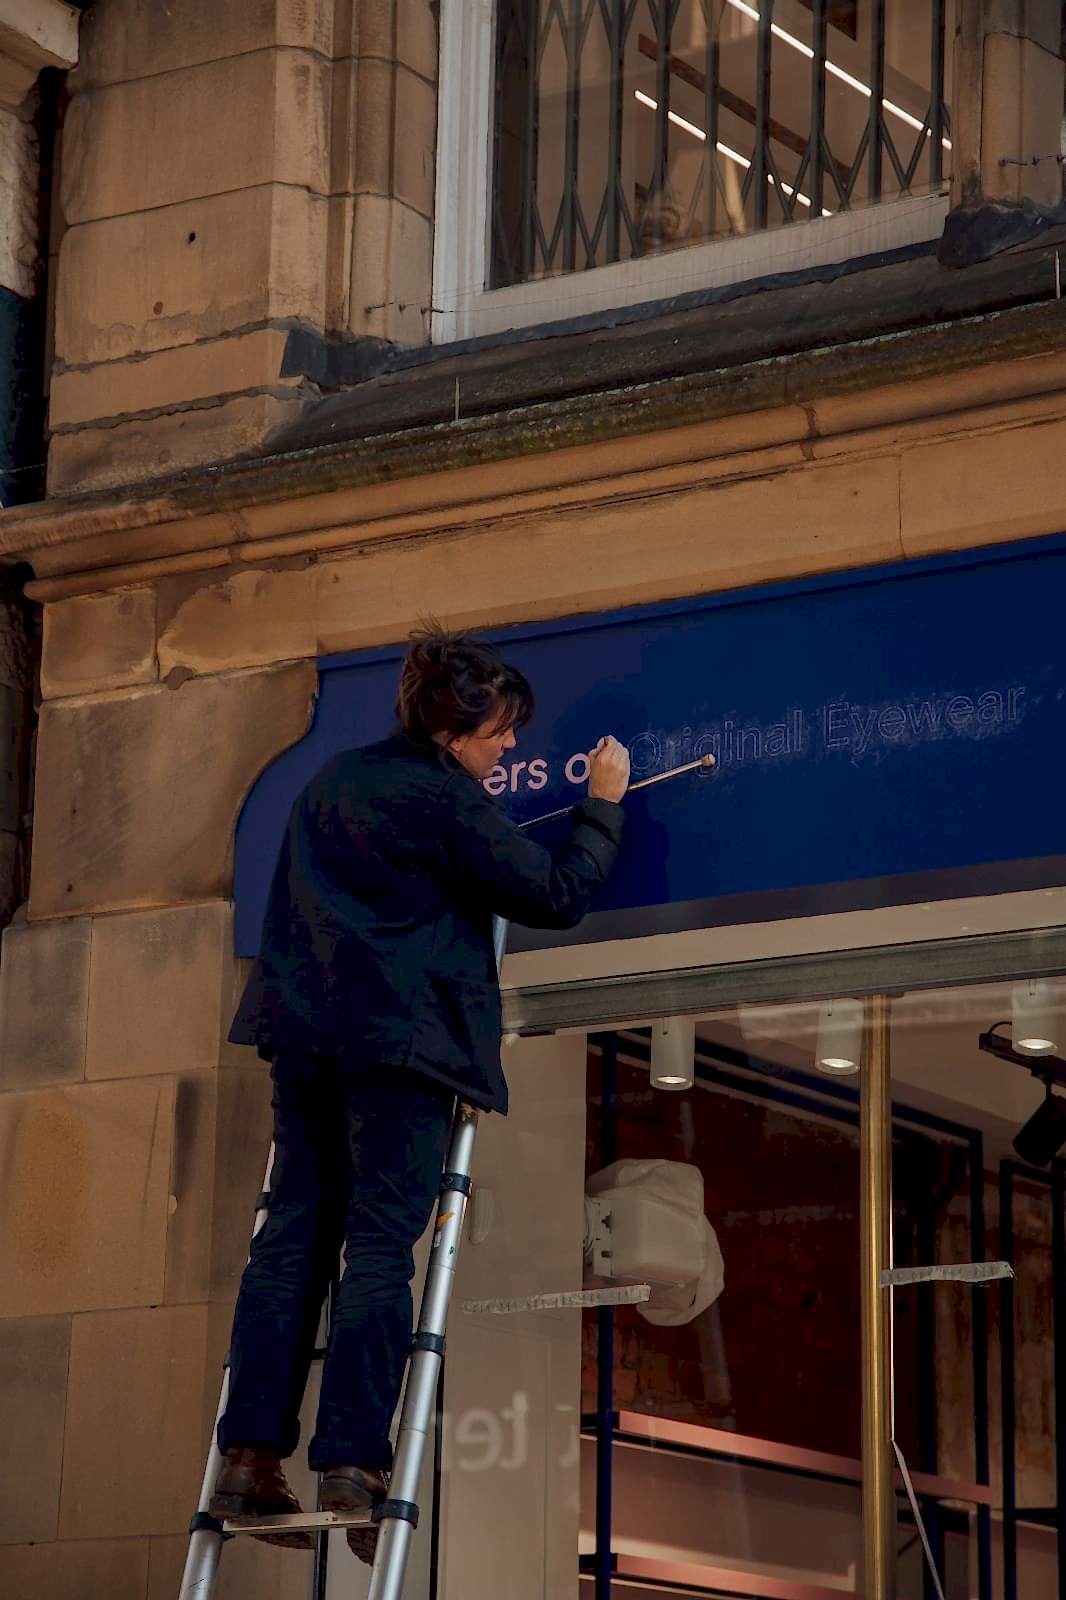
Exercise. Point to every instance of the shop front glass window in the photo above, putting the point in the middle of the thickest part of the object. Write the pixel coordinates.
(978, 1176)
(721, 1434)
(737, 1441)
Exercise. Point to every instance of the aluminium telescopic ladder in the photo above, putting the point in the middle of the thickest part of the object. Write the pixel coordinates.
(397, 1516)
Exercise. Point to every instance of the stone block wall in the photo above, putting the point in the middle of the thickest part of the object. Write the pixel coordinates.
(1008, 102)
(132, 1145)
(132, 1137)
(232, 171)
(253, 168)
(34, 36)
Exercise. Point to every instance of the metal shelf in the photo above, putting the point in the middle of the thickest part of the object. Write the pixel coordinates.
(691, 1577)
(637, 1430)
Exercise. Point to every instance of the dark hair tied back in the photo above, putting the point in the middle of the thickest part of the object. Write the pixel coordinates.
(453, 683)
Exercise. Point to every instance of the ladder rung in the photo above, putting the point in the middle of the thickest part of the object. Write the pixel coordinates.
(298, 1522)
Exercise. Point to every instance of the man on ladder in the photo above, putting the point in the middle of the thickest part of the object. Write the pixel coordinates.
(375, 997)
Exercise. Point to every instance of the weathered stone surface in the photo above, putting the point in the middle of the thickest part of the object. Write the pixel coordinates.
(83, 1196)
(164, 773)
(189, 272)
(33, 1390)
(114, 137)
(392, 261)
(1040, 20)
(396, 30)
(417, 44)
(124, 41)
(166, 1565)
(393, 115)
(212, 368)
(222, 1132)
(967, 56)
(190, 1224)
(99, 641)
(44, 992)
(994, 106)
(383, 120)
(244, 619)
(97, 458)
(156, 990)
(17, 632)
(136, 1382)
(256, 1572)
(363, 121)
(89, 1569)
(337, 282)
(781, 526)
(904, 412)
(1021, 118)
(18, 204)
(957, 493)
(248, 1568)
(415, 141)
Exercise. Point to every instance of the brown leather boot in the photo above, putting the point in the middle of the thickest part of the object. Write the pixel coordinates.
(351, 1489)
(363, 1542)
(252, 1484)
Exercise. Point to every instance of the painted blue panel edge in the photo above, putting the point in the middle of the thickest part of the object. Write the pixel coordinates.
(752, 594)
(803, 901)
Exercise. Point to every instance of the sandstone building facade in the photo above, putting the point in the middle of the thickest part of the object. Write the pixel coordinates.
(338, 329)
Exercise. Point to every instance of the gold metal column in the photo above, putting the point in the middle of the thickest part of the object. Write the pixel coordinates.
(875, 1226)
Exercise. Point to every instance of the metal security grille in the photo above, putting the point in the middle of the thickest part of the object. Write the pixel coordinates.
(625, 127)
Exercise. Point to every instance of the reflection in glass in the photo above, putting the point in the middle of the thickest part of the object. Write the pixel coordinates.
(737, 1443)
(734, 1434)
(627, 127)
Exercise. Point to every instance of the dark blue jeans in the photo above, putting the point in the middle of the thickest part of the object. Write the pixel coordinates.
(358, 1157)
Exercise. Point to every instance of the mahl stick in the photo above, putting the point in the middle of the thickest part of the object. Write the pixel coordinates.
(660, 777)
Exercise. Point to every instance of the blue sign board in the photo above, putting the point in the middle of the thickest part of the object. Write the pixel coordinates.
(884, 736)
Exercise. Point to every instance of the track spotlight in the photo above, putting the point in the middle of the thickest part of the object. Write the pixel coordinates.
(1034, 1022)
(1044, 1135)
(673, 1052)
(839, 1047)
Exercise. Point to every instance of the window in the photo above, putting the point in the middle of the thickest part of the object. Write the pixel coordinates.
(617, 132)
(721, 1448)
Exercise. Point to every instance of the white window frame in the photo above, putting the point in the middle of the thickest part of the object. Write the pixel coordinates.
(463, 308)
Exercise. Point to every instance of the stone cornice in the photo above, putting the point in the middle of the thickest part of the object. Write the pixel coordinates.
(862, 396)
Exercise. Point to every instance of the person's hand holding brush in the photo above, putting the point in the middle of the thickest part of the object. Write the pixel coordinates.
(608, 770)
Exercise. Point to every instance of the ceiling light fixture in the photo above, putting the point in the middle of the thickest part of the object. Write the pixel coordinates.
(673, 1052)
(839, 1046)
(1034, 1022)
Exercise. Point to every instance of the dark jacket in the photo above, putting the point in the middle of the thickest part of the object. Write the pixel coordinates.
(377, 937)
